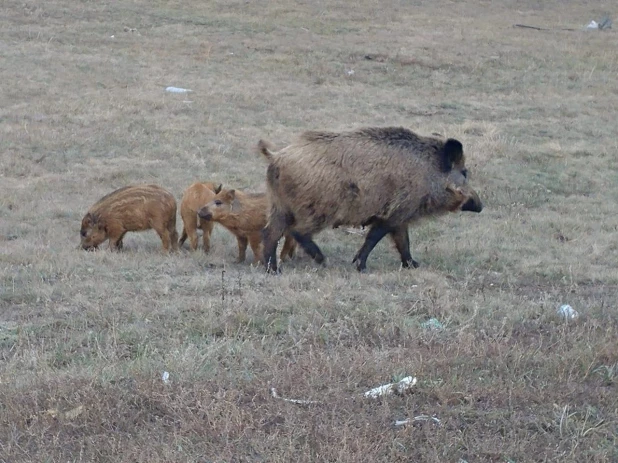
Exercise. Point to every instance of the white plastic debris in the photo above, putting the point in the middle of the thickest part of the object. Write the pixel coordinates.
(177, 90)
(165, 377)
(568, 312)
(427, 418)
(386, 389)
(273, 392)
(418, 418)
(592, 25)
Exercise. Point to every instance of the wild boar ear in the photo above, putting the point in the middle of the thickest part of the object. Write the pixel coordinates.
(218, 188)
(452, 153)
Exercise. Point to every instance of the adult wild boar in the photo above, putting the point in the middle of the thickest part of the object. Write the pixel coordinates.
(384, 178)
(128, 209)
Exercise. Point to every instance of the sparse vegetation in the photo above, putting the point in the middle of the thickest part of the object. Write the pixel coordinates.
(86, 336)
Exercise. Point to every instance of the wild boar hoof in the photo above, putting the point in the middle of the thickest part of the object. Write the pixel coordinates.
(273, 271)
(360, 265)
(410, 263)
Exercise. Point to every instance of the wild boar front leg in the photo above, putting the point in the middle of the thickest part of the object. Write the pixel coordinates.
(115, 242)
(402, 242)
(377, 231)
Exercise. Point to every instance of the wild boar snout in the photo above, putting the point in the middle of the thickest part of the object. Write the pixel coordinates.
(473, 204)
(205, 214)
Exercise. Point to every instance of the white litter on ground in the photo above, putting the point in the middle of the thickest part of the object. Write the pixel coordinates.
(386, 389)
(568, 312)
(177, 90)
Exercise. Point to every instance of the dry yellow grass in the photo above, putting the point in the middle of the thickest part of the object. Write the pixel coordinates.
(83, 111)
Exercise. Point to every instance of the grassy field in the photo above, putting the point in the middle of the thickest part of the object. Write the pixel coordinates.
(86, 337)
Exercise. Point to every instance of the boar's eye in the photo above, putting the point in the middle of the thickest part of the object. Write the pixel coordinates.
(218, 202)
(83, 233)
(464, 172)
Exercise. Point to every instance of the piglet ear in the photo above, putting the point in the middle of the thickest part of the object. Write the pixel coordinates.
(94, 220)
(231, 194)
(452, 153)
(218, 188)
(89, 219)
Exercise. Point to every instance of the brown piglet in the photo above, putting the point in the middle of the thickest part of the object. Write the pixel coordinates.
(194, 197)
(244, 214)
(129, 209)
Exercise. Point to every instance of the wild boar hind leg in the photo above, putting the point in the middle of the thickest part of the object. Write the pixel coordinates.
(166, 239)
(306, 242)
(377, 231)
(174, 238)
(207, 228)
(402, 242)
(271, 234)
(289, 248)
(255, 241)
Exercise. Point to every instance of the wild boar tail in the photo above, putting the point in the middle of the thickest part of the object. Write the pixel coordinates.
(266, 149)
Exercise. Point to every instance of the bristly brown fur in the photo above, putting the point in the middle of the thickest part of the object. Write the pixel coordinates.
(396, 139)
(195, 197)
(131, 208)
(244, 215)
(383, 177)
